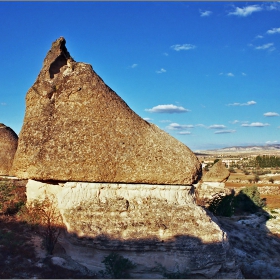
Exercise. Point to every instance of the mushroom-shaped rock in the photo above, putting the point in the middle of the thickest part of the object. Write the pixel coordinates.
(8, 147)
(76, 128)
(218, 173)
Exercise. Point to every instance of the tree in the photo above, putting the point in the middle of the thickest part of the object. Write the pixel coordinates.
(45, 214)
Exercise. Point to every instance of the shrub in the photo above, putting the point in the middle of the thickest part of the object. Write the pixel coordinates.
(222, 205)
(44, 213)
(117, 266)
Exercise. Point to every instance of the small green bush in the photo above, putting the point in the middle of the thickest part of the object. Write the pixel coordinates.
(117, 266)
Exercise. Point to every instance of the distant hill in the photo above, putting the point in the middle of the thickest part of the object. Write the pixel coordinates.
(244, 149)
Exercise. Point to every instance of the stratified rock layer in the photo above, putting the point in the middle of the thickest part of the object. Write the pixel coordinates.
(8, 147)
(217, 173)
(152, 225)
(77, 129)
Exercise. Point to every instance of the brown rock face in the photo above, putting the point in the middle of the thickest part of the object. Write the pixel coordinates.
(218, 173)
(77, 129)
(8, 147)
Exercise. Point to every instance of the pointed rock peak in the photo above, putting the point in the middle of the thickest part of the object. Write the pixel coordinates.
(76, 128)
(57, 57)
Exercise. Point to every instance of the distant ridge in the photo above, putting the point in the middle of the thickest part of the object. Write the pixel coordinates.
(251, 148)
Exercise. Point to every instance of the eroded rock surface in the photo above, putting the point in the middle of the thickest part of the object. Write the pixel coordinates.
(217, 173)
(8, 147)
(78, 129)
(151, 225)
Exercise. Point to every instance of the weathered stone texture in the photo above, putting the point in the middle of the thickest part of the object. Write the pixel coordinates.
(8, 147)
(217, 173)
(149, 224)
(78, 129)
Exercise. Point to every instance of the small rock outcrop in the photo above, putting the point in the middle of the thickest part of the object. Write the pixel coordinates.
(218, 173)
(212, 184)
(78, 129)
(8, 147)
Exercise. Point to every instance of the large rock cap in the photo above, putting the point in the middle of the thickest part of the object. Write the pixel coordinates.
(78, 129)
(8, 147)
(218, 173)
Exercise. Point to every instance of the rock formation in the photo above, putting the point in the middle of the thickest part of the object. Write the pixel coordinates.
(218, 173)
(119, 183)
(212, 184)
(153, 226)
(8, 147)
(78, 129)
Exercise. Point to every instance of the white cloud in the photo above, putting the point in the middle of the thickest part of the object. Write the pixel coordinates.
(230, 75)
(165, 54)
(134, 65)
(184, 47)
(162, 70)
(255, 124)
(243, 104)
(259, 37)
(243, 74)
(271, 142)
(265, 46)
(169, 109)
(224, 131)
(234, 122)
(147, 119)
(176, 126)
(217, 126)
(273, 30)
(184, 132)
(246, 11)
(201, 125)
(3, 104)
(271, 114)
(205, 13)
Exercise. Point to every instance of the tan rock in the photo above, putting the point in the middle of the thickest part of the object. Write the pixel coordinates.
(78, 129)
(218, 173)
(151, 225)
(8, 147)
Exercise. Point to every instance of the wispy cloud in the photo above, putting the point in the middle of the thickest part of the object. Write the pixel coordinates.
(226, 74)
(176, 126)
(168, 109)
(224, 131)
(268, 46)
(259, 37)
(255, 124)
(184, 132)
(249, 103)
(184, 47)
(3, 104)
(271, 114)
(201, 125)
(217, 126)
(134, 65)
(271, 142)
(273, 30)
(147, 119)
(243, 74)
(205, 13)
(165, 121)
(162, 70)
(234, 122)
(246, 11)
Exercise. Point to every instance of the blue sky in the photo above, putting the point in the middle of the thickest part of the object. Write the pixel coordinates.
(208, 73)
